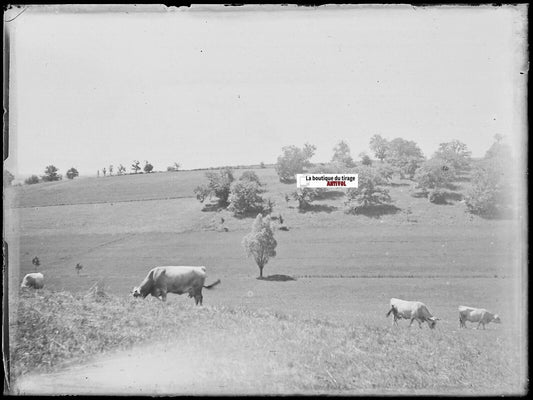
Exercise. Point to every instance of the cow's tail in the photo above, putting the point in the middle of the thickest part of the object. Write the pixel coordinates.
(213, 284)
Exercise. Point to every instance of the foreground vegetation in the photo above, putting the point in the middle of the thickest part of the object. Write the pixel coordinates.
(280, 353)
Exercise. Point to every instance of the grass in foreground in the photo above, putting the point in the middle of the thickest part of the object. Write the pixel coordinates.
(264, 352)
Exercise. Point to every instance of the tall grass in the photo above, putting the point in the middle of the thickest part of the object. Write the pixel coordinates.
(263, 351)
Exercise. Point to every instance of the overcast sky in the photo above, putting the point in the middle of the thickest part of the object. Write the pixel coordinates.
(233, 85)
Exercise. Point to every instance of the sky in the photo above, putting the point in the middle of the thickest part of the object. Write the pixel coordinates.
(214, 86)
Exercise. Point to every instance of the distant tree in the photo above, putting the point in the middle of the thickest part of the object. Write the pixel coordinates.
(432, 176)
(148, 167)
(404, 155)
(260, 242)
(365, 159)
(341, 154)
(121, 169)
(250, 176)
(31, 180)
(293, 161)
(135, 166)
(104, 171)
(219, 185)
(98, 173)
(305, 196)
(78, 267)
(262, 165)
(455, 153)
(245, 197)
(8, 178)
(111, 170)
(50, 174)
(379, 146)
(177, 166)
(36, 262)
(386, 171)
(72, 173)
(370, 191)
(493, 182)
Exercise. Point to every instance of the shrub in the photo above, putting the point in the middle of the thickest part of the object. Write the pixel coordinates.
(305, 196)
(260, 242)
(32, 180)
(72, 173)
(437, 196)
(148, 167)
(434, 174)
(386, 171)
(369, 191)
(8, 178)
(250, 176)
(365, 160)
(245, 197)
(219, 185)
(491, 192)
(293, 161)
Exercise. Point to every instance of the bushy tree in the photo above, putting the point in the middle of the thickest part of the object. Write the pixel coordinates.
(432, 176)
(219, 185)
(341, 154)
(135, 166)
(404, 155)
(72, 173)
(493, 182)
(305, 196)
(370, 191)
(31, 180)
(121, 169)
(293, 161)
(50, 174)
(111, 169)
(104, 171)
(455, 153)
(386, 171)
(260, 242)
(8, 178)
(379, 146)
(250, 176)
(365, 159)
(148, 167)
(245, 197)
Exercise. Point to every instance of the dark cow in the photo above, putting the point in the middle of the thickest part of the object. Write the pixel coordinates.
(171, 279)
(34, 280)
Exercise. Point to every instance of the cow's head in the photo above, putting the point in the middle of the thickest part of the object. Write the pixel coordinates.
(136, 292)
(432, 322)
(497, 319)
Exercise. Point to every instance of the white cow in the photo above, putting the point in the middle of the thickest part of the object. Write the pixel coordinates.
(413, 310)
(479, 315)
(34, 280)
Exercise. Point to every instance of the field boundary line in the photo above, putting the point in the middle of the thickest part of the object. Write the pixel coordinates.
(106, 202)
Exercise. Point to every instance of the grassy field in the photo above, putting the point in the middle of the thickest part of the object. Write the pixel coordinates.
(347, 267)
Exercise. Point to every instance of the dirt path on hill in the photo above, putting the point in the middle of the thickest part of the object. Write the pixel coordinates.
(161, 369)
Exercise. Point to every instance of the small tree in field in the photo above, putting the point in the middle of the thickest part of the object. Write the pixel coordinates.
(365, 159)
(305, 196)
(293, 161)
(379, 146)
(135, 166)
(50, 174)
(148, 167)
(219, 185)
(121, 169)
(245, 197)
(111, 170)
(104, 171)
(341, 154)
(369, 192)
(260, 242)
(31, 180)
(432, 176)
(72, 173)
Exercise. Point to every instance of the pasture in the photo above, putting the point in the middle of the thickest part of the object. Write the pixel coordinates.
(346, 267)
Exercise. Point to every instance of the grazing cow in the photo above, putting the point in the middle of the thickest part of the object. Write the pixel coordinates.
(179, 280)
(479, 315)
(34, 280)
(413, 310)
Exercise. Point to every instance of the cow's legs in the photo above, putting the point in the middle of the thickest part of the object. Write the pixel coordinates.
(411, 323)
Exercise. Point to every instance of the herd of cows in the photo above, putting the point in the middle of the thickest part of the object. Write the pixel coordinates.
(191, 280)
